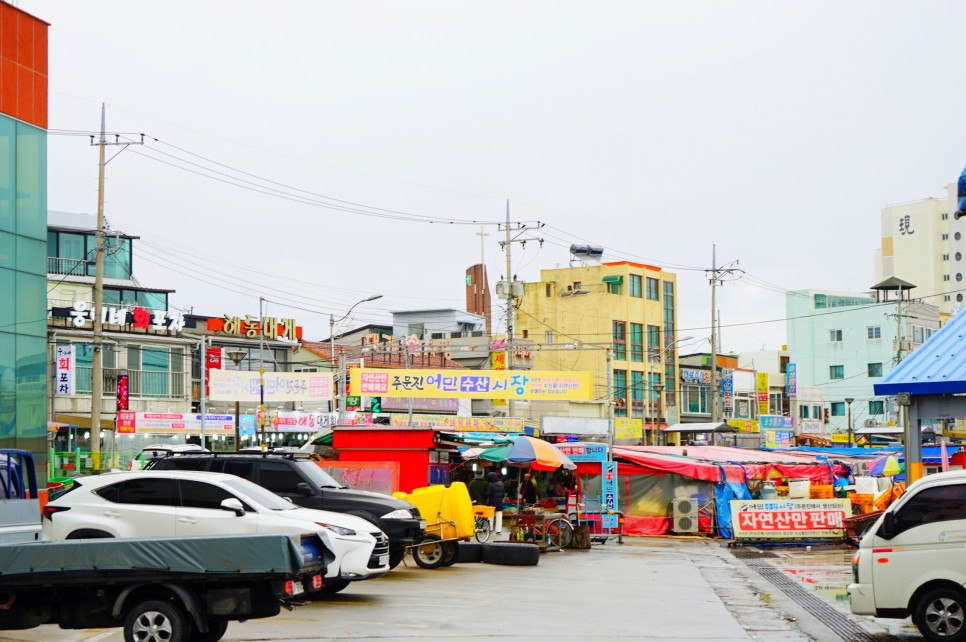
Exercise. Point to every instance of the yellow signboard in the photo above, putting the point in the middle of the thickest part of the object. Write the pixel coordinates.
(762, 393)
(628, 427)
(472, 384)
(744, 425)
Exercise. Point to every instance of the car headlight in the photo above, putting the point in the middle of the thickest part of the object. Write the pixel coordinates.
(399, 513)
(339, 530)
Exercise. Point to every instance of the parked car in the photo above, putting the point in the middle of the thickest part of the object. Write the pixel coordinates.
(908, 562)
(296, 477)
(160, 450)
(172, 503)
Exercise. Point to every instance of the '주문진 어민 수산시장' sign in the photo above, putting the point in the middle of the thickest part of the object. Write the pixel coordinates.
(472, 384)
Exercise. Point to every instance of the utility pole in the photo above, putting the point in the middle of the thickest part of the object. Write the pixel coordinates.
(717, 275)
(510, 289)
(97, 314)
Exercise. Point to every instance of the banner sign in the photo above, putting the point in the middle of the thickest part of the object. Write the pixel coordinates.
(212, 362)
(249, 326)
(584, 451)
(775, 421)
(65, 370)
(238, 385)
(727, 389)
(794, 518)
(762, 393)
(421, 405)
(551, 425)
(772, 438)
(130, 422)
(473, 384)
(609, 490)
(690, 375)
(791, 380)
(448, 422)
(628, 427)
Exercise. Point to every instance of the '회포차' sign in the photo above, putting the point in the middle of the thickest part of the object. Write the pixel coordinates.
(789, 518)
(472, 384)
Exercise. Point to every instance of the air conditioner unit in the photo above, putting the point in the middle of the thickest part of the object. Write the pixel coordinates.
(870, 423)
(859, 468)
(685, 515)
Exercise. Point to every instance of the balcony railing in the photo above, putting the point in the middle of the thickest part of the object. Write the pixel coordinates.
(141, 383)
(58, 265)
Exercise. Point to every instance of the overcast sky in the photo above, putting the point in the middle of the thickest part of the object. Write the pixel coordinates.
(286, 133)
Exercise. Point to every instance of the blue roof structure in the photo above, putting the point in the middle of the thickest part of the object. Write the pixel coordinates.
(937, 367)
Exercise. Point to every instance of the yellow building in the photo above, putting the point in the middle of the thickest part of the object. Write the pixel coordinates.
(575, 315)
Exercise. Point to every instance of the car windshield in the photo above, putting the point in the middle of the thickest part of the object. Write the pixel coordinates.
(319, 477)
(256, 493)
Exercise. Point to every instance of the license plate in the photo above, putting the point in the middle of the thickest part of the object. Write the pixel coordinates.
(422, 524)
(383, 559)
(299, 588)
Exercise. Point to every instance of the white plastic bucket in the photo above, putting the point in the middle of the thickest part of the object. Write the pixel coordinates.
(799, 488)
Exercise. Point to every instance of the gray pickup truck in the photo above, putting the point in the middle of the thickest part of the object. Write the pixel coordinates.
(174, 590)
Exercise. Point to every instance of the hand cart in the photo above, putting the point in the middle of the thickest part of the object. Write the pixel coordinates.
(449, 516)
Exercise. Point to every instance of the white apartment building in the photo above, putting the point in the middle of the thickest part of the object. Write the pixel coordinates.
(924, 244)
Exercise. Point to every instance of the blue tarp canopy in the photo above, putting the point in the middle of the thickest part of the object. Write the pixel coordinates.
(936, 367)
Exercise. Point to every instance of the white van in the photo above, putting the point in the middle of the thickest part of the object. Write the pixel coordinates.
(912, 560)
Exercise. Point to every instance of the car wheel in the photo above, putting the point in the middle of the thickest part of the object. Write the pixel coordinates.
(396, 555)
(89, 533)
(216, 631)
(940, 616)
(155, 621)
(449, 551)
(329, 587)
(468, 552)
(511, 554)
(429, 552)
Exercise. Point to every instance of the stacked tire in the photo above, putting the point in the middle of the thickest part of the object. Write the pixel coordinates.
(510, 554)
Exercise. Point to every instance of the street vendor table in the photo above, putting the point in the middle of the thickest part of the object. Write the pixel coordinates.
(532, 522)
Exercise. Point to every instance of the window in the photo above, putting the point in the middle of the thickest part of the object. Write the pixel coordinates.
(670, 395)
(836, 372)
(803, 412)
(917, 334)
(417, 329)
(637, 393)
(816, 412)
(835, 335)
(695, 400)
(620, 340)
(196, 494)
(278, 477)
(838, 408)
(774, 403)
(548, 290)
(243, 469)
(620, 393)
(653, 396)
(613, 287)
(875, 332)
(576, 286)
(653, 344)
(937, 504)
(652, 289)
(637, 342)
(152, 491)
(875, 369)
(636, 285)
(876, 407)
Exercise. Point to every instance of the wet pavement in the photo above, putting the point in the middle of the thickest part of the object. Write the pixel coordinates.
(823, 571)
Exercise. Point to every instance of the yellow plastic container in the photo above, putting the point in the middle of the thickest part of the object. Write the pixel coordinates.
(448, 511)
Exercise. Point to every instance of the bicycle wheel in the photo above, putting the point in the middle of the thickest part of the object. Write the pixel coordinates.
(482, 529)
(561, 532)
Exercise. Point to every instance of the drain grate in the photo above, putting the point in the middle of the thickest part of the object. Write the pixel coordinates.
(752, 554)
(835, 620)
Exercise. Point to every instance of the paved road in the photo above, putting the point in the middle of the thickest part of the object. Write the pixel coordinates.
(646, 589)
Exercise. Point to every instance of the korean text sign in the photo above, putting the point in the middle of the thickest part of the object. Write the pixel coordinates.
(789, 518)
(472, 384)
(241, 385)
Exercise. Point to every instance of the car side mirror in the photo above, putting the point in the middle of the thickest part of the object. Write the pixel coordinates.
(234, 505)
(304, 488)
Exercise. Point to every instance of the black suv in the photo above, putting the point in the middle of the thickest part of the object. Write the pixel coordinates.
(298, 478)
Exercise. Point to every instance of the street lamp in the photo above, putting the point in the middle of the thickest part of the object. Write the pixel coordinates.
(849, 400)
(340, 378)
(237, 356)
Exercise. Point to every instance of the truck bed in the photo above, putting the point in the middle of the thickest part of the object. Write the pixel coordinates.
(122, 560)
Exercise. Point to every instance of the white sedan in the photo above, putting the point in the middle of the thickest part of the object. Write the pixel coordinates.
(172, 503)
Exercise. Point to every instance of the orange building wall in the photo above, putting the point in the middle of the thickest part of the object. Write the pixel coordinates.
(23, 66)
